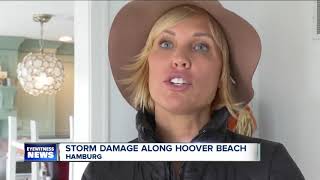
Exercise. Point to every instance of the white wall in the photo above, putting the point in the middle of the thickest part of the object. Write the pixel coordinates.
(287, 87)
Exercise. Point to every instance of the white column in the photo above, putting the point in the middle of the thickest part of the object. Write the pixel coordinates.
(34, 136)
(11, 157)
(91, 76)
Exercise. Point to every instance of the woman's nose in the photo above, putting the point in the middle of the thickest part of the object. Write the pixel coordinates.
(181, 62)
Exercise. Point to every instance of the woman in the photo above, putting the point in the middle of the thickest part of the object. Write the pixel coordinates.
(187, 67)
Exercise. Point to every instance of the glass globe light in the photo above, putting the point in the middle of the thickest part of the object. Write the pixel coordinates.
(40, 73)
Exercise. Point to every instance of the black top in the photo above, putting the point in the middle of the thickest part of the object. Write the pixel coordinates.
(275, 164)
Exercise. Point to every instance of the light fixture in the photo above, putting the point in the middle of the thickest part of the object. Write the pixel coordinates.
(41, 73)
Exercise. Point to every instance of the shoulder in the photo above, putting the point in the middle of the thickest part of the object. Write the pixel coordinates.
(267, 147)
(106, 170)
(274, 155)
(134, 141)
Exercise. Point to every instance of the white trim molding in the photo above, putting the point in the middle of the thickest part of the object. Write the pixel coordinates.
(91, 122)
(316, 20)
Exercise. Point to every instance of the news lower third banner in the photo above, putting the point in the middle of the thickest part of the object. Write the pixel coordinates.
(142, 152)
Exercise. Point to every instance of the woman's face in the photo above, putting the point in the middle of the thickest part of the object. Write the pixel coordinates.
(184, 67)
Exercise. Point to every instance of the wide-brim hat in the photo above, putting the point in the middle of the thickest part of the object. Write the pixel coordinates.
(132, 24)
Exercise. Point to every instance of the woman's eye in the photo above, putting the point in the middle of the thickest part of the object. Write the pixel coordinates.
(166, 44)
(201, 47)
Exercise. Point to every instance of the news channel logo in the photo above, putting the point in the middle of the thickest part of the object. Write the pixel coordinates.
(40, 152)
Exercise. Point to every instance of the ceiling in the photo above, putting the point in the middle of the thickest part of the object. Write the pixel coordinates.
(16, 19)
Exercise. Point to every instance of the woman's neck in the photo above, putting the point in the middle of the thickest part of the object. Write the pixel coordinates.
(171, 127)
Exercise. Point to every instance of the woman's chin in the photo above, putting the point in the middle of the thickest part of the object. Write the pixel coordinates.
(179, 108)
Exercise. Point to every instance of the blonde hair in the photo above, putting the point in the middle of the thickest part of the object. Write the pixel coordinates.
(138, 82)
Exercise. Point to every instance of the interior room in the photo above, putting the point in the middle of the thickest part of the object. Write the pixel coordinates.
(20, 37)
(88, 106)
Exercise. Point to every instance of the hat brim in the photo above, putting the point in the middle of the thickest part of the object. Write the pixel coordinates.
(132, 24)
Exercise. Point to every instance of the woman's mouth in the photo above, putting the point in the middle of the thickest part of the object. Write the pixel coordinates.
(178, 81)
(177, 84)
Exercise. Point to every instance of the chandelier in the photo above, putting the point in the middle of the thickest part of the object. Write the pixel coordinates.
(41, 73)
